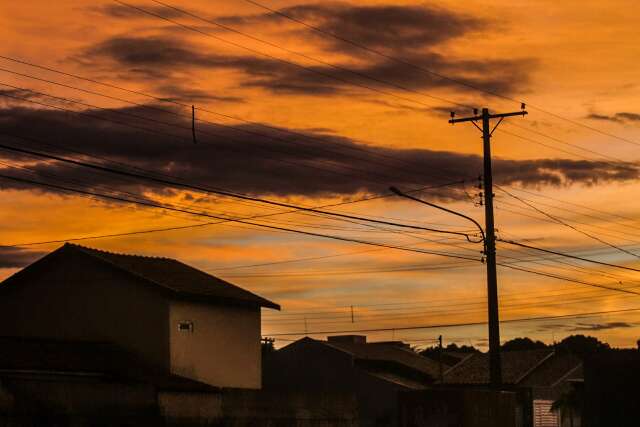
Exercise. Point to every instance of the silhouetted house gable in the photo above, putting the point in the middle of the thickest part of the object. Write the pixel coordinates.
(516, 365)
(390, 357)
(171, 316)
(373, 372)
(449, 358)
(544, 374)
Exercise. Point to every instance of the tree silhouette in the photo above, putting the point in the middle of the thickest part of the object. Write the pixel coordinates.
(582, 345)
(518, 344)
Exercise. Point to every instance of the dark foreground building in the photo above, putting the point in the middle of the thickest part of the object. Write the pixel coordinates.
(373, 372)
(540, 377)
(93, 338)
(609, 395)
(173, 317)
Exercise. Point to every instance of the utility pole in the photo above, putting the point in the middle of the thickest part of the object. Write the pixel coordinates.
(495, 364)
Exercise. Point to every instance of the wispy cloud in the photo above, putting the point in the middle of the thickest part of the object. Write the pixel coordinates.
(17, 257)
(601, 326)
(622, 117)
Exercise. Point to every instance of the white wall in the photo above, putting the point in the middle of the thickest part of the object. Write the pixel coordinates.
(223, 349)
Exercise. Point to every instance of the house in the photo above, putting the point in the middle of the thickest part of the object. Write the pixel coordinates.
(51, 382)
(609, 394)
(80, 383)
(172, 317)
(544, 374)
(373, 372)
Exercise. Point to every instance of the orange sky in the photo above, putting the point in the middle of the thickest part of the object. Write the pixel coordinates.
(580, 63)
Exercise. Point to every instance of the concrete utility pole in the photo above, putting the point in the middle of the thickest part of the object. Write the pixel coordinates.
(495, 365)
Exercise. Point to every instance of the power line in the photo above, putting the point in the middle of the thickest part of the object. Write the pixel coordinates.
(241, 221)
(456, 325)
(433, 73)
(213, 190)
(568, 279)
(136, 232)
(559, 221)
(174, 136)
(431, 313)
(347, 146)
(225, 193)
(529, 297)
(361, 172)
(549, 251)
(572, 204)
(291, 63)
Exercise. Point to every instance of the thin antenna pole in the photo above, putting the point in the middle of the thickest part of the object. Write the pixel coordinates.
(193, 123)
(440, 359)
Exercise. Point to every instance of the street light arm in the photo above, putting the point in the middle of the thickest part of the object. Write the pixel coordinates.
(401, 194)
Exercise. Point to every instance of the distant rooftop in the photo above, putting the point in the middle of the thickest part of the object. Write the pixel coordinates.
(528, 367)
(382, 352)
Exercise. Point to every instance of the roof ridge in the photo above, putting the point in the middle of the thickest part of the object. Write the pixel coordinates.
(536, 366)
(567, 374)
(147, 268)
(102, 251)
(463, 360)
(88, 251)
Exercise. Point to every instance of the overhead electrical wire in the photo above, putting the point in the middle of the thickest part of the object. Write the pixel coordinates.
(173, 183)
(438, 313)
(221, 192)
(566, 224)
(433, 73)
(178, 137)
(456, 325)
(241, 221)
(147, 231)
(281, 60)
(350, 147)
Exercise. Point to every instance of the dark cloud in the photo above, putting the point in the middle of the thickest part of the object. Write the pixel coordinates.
(263, 160)
(622, 117)
(17, 257)
(601, 326)
(176, 92)
(399, 108)
(9, 97)
(385, 27)
(161, 57)
(120, 11)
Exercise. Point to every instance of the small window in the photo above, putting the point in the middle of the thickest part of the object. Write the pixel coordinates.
(185, 326)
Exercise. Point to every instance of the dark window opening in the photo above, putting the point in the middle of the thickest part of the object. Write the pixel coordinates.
(185, 326)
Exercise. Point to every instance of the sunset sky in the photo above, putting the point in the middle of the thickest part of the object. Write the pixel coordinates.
(330, 103)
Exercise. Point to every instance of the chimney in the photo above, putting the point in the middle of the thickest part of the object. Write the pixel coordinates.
(348, 339)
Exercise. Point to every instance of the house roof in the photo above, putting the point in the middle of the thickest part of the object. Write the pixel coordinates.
(173, 275)
(449, 358)
(554, 370)
(516, 366)
(387, 353)
(20, 355)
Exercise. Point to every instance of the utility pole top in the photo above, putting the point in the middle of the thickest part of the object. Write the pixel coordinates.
(477, 117)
